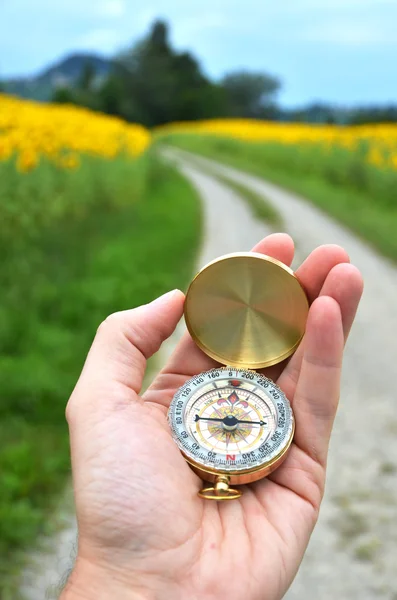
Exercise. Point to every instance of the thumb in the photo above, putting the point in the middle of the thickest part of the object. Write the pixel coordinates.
(115, 365)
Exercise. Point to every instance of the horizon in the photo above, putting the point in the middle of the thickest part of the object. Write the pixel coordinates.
(335, 105)
(342, 53)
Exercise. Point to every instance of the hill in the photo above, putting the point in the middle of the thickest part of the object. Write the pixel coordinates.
(64, 73)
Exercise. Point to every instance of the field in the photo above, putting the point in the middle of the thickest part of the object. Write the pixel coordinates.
(92, 222)
(350, 172)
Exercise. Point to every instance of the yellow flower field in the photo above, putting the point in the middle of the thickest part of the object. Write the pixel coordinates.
(30, 130)
(378, 143)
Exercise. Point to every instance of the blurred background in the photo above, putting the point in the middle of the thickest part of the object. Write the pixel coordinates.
(126, 131)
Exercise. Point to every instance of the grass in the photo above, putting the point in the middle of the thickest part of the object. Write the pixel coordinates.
(117, 234)
(388, 468)
(368, 550)
(362, 197)
(261, 208)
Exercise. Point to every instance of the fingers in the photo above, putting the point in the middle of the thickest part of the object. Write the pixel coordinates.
(317, 391)
(344, 284)
(115, 366)
(277, 245)
(312, 274)
(314, 270)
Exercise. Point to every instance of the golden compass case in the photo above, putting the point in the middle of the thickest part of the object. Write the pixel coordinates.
(233, 424)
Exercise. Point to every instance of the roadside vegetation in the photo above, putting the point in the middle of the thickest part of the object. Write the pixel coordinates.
(261, 207)
(354, 182)
(84, 233)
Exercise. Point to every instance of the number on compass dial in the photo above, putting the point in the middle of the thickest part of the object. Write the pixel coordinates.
(230, 419)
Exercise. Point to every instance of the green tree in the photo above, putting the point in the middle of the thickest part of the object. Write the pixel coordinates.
(161, 85)
(251, 95)
(196, 97)
(111, 96)
(87, 77)
(373, 114)
(147, 77)
(64, 95)
(152, 83)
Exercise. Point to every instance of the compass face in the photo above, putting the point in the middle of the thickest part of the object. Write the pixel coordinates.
(231, 420)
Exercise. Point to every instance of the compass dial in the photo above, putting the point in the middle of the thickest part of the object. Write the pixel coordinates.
(231, 420)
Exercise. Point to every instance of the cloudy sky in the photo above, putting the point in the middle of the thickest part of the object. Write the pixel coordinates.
(343, 51)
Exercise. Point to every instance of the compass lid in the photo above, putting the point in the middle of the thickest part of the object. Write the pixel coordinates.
(246, 310)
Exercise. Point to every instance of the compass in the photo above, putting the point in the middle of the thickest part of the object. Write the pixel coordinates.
(233, 424)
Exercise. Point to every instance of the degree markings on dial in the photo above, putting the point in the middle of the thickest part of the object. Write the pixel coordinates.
(243, 394)
(261, 403)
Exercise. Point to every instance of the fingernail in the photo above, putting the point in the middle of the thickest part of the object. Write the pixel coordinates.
(168, 297)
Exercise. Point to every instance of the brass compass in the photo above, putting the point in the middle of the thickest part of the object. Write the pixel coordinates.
(232, 424)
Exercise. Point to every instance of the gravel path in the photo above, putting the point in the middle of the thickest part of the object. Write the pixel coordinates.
(353, 552)
(50, 565)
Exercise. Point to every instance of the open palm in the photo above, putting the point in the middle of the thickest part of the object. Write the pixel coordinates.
(143, 531)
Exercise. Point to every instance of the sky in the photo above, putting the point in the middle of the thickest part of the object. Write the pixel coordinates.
(339, 51)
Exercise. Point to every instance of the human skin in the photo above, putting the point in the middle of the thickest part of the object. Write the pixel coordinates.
(143, 531)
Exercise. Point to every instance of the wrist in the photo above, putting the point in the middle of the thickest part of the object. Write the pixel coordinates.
(88, 582)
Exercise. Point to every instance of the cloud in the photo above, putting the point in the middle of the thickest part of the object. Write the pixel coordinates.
(112, 8)
(201, 28)
(350, 34)
(193, 25)
(102, 40)
(337, 5)
(77, 9)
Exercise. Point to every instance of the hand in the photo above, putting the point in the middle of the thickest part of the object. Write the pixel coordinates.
(143, 531)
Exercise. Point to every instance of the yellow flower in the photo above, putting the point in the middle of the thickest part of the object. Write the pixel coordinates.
(380, 139)
(27, 160)
(63, 133)
(71, 161)
(375, 157)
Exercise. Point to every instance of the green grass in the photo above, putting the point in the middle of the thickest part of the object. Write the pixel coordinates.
(116, 235)
(261, 208)
(361, 196)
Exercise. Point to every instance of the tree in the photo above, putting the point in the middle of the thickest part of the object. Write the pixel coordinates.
(147, 76)
(111, 96)
(152, 83)
(196, 97)
(251, 95)
(373, 114)
(162, 85)
(64, 95)
(87, 77)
